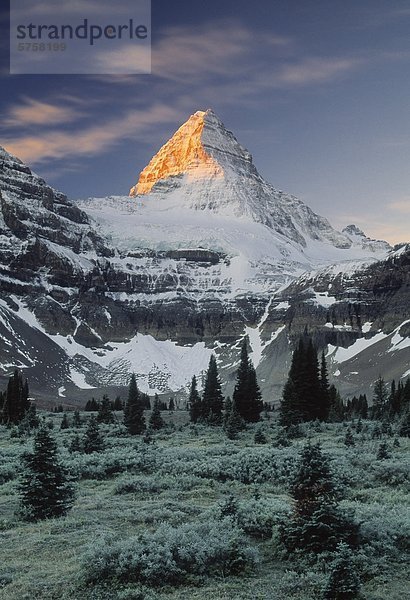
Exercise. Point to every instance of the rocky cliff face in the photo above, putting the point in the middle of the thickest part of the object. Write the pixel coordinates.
(203, 252)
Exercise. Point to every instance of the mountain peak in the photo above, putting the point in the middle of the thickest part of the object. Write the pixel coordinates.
(202, 148)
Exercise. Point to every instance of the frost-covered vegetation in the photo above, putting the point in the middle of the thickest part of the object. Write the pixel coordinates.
(187, 512)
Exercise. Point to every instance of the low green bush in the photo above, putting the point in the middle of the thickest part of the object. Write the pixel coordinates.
(171, 554)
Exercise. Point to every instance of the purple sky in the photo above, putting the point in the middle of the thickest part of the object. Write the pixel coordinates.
(318, 91)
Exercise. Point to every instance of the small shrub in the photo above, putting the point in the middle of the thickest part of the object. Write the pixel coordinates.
(7, 473)
(259, 437)
(170, 554)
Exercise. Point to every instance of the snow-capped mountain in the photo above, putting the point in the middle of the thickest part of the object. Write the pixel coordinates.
(202, 252)
(202, 191)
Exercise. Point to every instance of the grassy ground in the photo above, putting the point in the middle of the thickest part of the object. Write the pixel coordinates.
(166, 483)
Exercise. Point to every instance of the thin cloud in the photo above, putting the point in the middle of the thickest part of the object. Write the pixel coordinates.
(34, 112)
(57, 145)
(316, 70)
(224, 49)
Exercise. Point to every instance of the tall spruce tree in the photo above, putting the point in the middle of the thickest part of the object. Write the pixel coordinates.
(232, 421)
(16, 402)
(303, 397)
(156, 421)
(324, 400)
(316, 524)
(212, 399)
(105, 414)
(134, 419)
(45, 489)
(195, 402)
(93, 441)
(380, 398)
(247, 396)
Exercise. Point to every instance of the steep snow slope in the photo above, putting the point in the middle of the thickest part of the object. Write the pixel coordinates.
(202, 190)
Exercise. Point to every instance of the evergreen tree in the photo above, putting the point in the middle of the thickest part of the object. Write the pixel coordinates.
(105, 414)
(134, 409)
(155, 420)
(259, 437)
(93, 441)
(118, 405)
(303, 397)
(171, 406)
(316, 524)
(195, 403)
(349, 439)
(336, 406)
(343, 581)
(16, 403)
(65, 424)
(380, 398)
(91, 405)
(404, 430)
(212, 400)
(382, 452)
(77, 419)
(45, 490)
(324, 402)
(233, 422)
(75, 444)
(29, 421)
(247, 395)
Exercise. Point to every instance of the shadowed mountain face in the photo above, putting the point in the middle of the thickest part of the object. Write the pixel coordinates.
(203, 252)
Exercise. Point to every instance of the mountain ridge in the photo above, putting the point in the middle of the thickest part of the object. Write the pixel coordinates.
(96, 289)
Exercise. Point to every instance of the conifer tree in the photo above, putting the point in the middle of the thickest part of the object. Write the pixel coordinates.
(45, 490)
(349, 439)
(324, 400)
(134, 419)
(29, 421)
(105, 414)
(77, 419)
(118, 405)
(75, 444)
(343, 581)
(380, 398)
(316, 523)
(16, 403)
(259, 437)
(303, 397)
(336, 406)
(404, 430)
(195, 403)
(233, 422)
(65, 424)
(93, 441)
(156, 421)
(91, 405)
(212, 400)
(246, 395)
(382, 452)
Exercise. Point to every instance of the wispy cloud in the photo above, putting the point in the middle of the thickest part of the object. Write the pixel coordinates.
(34, 112)
(315, 70)
(225, 48)
(56, 145)
(221, 62)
